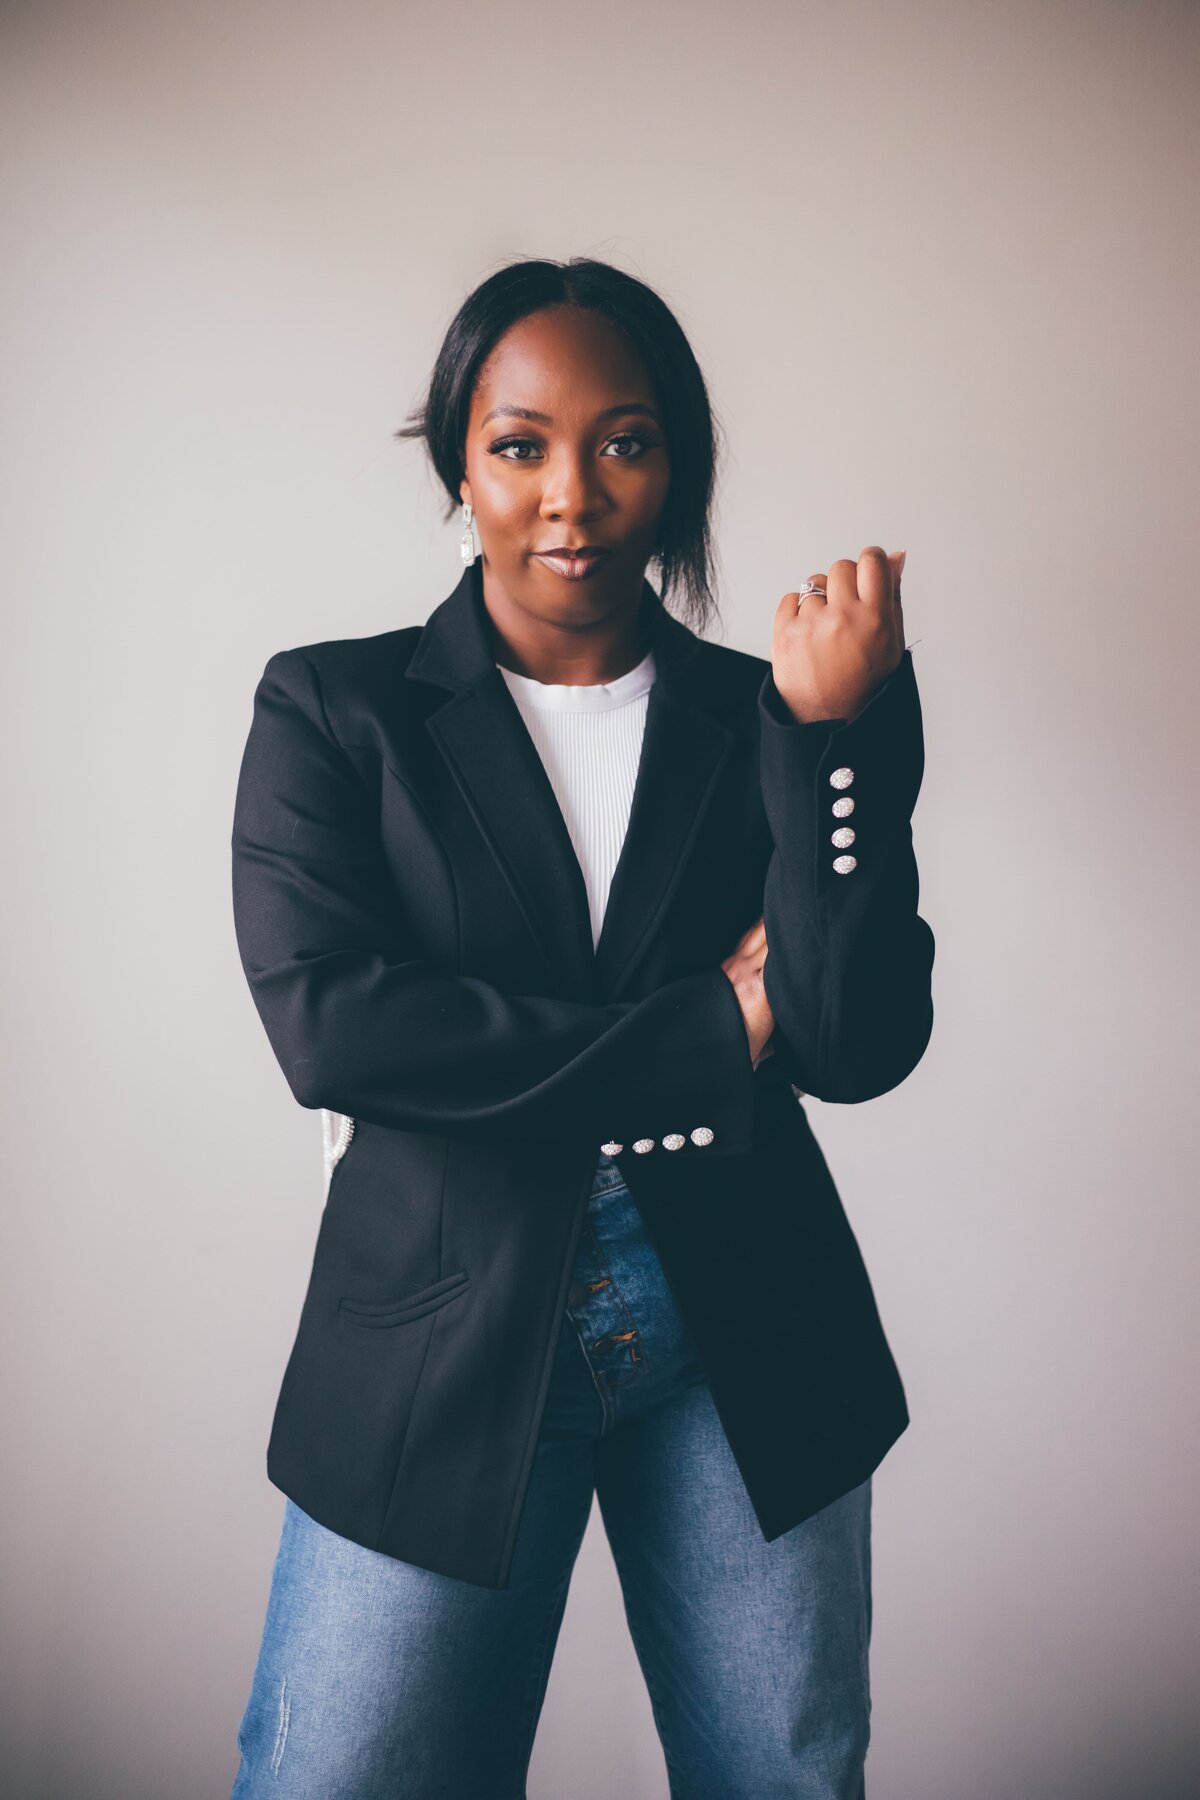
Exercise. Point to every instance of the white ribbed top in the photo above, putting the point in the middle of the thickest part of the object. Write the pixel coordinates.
(590, 741)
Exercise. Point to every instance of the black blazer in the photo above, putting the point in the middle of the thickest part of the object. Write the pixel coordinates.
(414, 927)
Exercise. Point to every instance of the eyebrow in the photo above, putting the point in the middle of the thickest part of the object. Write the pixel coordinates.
(540, 418)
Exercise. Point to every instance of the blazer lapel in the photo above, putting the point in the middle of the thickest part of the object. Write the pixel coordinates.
(483, 739)
(683, 753)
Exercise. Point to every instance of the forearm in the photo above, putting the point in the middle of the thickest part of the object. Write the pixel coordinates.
(849, 965)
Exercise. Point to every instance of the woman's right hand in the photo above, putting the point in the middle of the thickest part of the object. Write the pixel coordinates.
(744, 967)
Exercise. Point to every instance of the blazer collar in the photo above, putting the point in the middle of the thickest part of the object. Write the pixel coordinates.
(481, 735)
(455, 648)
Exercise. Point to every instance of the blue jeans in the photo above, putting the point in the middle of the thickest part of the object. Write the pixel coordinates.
(377, 1680)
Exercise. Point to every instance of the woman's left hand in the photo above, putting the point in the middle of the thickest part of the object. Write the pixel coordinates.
(832, 652)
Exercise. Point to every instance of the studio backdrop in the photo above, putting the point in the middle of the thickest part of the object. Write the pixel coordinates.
(939, 264)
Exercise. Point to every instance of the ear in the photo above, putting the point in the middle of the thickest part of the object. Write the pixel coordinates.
(464, 491)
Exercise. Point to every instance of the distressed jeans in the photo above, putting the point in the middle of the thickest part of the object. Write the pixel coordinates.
(377, 1680)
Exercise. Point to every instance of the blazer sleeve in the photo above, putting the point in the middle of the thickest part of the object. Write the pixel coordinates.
(362, 1026)
(849, 959)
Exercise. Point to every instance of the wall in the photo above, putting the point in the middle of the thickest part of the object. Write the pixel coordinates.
(940, 264)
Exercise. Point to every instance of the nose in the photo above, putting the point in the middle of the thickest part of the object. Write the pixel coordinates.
(572, 488)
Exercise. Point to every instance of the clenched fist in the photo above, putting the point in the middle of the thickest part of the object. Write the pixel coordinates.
(831, 653)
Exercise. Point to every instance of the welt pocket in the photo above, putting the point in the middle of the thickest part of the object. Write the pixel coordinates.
(413, 1306)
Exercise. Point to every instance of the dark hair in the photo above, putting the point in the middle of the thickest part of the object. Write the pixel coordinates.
(684, 551)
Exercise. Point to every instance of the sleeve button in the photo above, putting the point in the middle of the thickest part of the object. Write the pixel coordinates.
(841, 778)
(843, 808)
(843, 866)
(611, 1149)
(674, 1140)
(641, 1145)
(842, 838)
(701, 1135)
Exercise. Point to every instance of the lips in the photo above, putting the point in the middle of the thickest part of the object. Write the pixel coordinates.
(573, 564)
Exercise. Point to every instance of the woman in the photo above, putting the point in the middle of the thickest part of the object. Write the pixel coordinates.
(553, 900)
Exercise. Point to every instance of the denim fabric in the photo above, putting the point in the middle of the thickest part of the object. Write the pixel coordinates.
(377, 1680)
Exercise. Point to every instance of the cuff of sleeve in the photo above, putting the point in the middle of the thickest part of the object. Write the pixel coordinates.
(708, 1099)
(775, 710)
(886, 731)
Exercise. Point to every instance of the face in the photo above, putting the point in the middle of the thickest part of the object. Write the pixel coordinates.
(565, 452)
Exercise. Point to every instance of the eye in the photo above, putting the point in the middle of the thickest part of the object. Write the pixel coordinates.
(635, 442)
(503, 446)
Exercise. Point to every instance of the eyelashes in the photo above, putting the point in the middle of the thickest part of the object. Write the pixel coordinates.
(512, 443)
(642, 444)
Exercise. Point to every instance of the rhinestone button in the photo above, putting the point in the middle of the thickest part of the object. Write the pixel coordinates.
(841, 778)
(843, 837)
(843, 865)
(641, 1145)
(674, 1140)
(611, 1149)
(843, 808)
(701, 1135)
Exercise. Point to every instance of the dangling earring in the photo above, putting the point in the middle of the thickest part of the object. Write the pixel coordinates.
(468, 536)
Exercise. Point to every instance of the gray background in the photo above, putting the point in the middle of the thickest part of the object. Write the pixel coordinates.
(940, 265)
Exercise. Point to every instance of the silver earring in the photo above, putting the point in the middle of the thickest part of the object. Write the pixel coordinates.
(468, 536)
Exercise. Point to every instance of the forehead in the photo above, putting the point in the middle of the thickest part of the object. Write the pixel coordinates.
(563, 355)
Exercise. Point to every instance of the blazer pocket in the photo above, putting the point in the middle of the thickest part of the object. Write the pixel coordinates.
(415, 1306)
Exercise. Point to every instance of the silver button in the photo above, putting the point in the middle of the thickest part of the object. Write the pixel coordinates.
(701, 1135)
(841, 778)
(641, 1145)
(674, 1140)
(842, 838)
(611, 1149)
(843, 808)
(843, 865)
